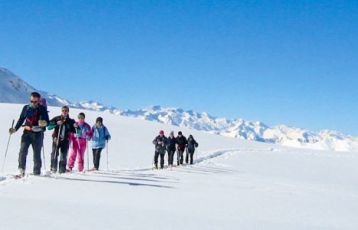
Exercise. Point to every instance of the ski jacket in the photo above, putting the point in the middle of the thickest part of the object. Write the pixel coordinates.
(192, 144)
(181, 142)
(160, 143)
(99, 137)
(66, 128)
(171, 141)
(31, 116)
(83, 131)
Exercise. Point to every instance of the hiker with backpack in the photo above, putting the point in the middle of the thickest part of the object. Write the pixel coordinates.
(63, 126)
(99, 138)
(79, 141)
(171, 143)
(181, 146)
(160, 143)
(192, 144)
(36, 119)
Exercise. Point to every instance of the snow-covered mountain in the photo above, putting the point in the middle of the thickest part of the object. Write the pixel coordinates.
(15, 90)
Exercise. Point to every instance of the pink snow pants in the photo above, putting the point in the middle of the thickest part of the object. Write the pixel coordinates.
(78, 150)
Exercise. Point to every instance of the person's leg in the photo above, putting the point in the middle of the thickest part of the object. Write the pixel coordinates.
(156, 155)
(191, 157)
(186, 157)
(37, 142)
(54, 156)
(64, 146)
(181, 157)
(170, 157)
(94, 154)
(73, 154)
(162, 155)
(24, 148)
(98, 157)
(81, 154)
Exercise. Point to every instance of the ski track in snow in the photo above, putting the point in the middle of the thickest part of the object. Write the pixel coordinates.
(204, 164)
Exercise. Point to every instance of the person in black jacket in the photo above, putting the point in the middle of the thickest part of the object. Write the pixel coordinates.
(171, 141)
(160, 143)
(192, 144)
(36, 119)
(63, 125)
(181, 145)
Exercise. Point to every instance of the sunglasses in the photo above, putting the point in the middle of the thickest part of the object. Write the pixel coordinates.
(34, 102)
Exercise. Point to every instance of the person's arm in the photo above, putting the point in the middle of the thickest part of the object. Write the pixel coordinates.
(21, 118)
(44, 114)
(155, 141)
(72, 122)
(89, 132)
(52, 123)
(107, 135)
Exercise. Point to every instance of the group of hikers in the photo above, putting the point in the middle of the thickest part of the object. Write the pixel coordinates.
(74, 136)
(68, 134)
(171, 144)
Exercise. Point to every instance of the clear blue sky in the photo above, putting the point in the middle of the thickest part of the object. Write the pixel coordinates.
(290, 62)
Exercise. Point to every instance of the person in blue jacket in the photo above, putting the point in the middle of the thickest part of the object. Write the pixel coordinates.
(99, 139)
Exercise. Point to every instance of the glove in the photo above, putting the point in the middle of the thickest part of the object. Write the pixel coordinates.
(12, 131)
(42, 123)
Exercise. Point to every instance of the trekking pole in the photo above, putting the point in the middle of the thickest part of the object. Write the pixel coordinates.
(107, 155)
(43, 156)
(87, 150)
(7, 147)
(55, 157)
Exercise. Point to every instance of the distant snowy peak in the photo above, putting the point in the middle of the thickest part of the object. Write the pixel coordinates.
(15, 90)
(239, 128)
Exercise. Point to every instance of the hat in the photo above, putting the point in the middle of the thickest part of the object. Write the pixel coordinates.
(99, 119)
(180, 133)
(81, 115)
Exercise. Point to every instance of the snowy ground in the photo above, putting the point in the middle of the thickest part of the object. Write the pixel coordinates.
(233, 185)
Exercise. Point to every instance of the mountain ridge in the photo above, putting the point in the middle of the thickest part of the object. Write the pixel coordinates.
(15, 90)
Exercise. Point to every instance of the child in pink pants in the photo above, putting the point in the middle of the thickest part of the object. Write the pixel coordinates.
(79, 143)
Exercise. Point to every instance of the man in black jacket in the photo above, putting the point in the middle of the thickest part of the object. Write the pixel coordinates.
(160, 142)
(36, 119)
(63, 125)
(171, 141)
(192, 144)
(181, 145)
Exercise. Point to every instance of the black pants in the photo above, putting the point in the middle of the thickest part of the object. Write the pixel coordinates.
(171, 153)
(36, 140)
(158, 153)
(62, 150)
(189, 155)
(96, 157)
(180, 157)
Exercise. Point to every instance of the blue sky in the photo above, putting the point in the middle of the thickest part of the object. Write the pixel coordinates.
(280, 62)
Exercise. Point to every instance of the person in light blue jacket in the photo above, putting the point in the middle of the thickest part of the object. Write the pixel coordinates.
(99, 139)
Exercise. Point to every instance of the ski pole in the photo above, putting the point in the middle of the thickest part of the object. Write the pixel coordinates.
(43, 156)
(7, 147)
(87, 155)
(55, 156)
(107, 155)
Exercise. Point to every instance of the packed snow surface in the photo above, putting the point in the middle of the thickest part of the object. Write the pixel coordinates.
(234, 184)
